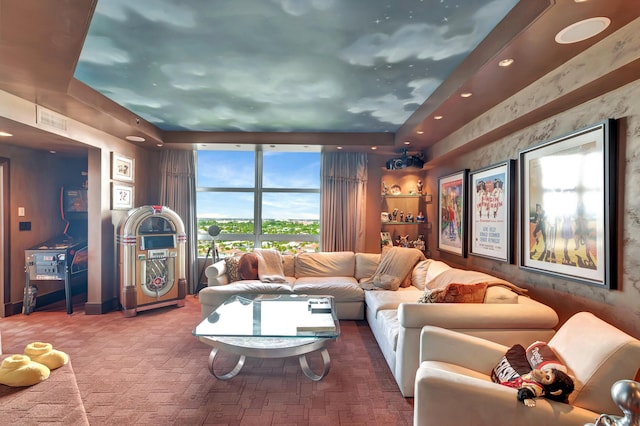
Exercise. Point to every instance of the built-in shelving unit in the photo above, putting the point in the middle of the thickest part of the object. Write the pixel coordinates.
(401, 193)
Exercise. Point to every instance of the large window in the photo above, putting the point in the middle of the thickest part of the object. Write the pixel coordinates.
(267, 197)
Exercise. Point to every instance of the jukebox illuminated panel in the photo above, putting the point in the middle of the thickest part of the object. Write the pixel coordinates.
(152, 259)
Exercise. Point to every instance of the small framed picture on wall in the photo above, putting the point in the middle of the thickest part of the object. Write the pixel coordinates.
(121, 168)
(121, 196)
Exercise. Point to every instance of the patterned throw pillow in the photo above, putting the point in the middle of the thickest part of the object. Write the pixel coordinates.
(232, 268)
(455, 293)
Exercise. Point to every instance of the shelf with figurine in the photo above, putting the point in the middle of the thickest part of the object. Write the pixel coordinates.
(419, 243)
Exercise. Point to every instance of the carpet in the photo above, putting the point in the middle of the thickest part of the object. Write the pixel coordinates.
(56, 400)
(150, 370)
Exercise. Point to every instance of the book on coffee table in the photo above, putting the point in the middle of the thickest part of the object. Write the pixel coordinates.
(316, 322)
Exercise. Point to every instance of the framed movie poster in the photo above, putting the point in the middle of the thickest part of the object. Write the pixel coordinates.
(568, 206)
(491, 210)
(452, 196)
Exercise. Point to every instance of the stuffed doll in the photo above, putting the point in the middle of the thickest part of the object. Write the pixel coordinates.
(535, 372)
(548, 383)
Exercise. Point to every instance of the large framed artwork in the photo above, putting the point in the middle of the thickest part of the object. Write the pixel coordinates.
(452, 199)
(568, 206)
(491, 209)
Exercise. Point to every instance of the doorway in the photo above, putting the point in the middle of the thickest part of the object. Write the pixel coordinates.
(5, 288)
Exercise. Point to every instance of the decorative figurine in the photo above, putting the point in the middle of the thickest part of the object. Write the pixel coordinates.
(419, 243)
(408, 217)
(395, 215)
(419, 186)
(401, 216)
(420, 218)
(385, 188)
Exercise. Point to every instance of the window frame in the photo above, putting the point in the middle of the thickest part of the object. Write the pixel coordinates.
(258, 237)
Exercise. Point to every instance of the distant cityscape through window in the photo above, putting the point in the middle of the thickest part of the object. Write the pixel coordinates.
(260, 198)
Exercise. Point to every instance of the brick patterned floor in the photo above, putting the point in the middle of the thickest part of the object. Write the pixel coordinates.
(150, 370)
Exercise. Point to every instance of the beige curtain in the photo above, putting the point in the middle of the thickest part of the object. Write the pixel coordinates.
(178, 192)
(343, 201)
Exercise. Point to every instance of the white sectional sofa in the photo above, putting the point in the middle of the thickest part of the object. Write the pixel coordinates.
(395, 317)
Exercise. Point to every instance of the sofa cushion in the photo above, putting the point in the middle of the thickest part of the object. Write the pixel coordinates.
(389, 300)
(435, 268)
(390, 327)
(215, 296)
(394, 269)
(419, 274)
(343, 289)
(325, 264)
(288, 265)
(500, 294)
(366, 265)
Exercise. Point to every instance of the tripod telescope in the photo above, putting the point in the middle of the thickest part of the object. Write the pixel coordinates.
(213, 231)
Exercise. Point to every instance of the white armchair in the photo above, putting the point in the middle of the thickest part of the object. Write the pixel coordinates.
(453, 384)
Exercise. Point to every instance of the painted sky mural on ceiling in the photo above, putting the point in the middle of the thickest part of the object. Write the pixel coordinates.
(280, 65)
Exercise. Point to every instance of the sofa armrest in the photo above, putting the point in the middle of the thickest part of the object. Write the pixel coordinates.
(217, 273)
(526, 314)
(440, 344)
(438, 393)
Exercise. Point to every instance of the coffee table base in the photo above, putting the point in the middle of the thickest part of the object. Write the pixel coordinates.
(277, 348)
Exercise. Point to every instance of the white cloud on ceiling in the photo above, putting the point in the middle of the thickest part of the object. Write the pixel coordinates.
(423, 40)
(154, 10)
(101, 51)
(302, 7)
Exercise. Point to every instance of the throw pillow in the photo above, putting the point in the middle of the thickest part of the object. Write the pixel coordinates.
(512, 365)
(232, 268)
(419, 274)
(456, 293)
(540, 355)
(248, 266)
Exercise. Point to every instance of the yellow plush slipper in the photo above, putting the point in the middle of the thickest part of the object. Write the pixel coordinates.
(45, 354)
(19, 370)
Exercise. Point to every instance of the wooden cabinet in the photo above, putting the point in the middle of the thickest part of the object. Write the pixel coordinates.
(403, 207)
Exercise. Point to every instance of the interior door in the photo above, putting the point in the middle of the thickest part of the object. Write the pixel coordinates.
(5, 288)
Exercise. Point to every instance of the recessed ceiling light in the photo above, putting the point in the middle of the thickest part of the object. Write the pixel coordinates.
(53, 152)
(437, 117)
(420, 132)
(582, 30)
(466, 94)
(373, 148)
(5, 134)
(159, 144)
(506, 62)
(132, 138)
(338, 147)
(407, 143)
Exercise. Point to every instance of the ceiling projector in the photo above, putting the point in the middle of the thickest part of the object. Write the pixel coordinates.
(416, 161)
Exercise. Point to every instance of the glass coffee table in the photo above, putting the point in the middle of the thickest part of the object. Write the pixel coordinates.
(271, 326)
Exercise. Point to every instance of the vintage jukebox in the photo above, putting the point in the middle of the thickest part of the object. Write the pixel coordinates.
(151, 248)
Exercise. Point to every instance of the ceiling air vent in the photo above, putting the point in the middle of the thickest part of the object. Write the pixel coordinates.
(49, 119)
